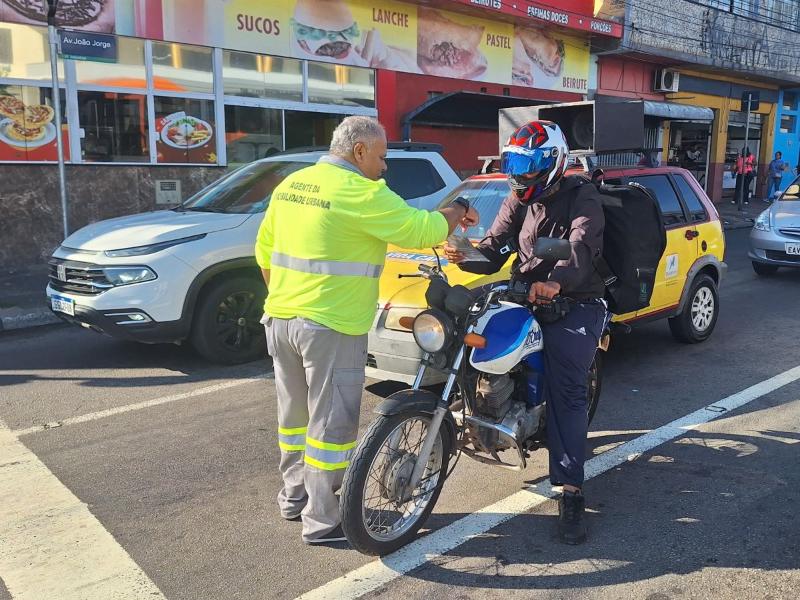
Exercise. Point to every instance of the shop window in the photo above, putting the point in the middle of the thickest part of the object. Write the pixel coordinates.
(252, 133)
(412, 177)
(338, 84)
(693, 203)
(115, 127)
(790, 101)
(185, 131)
(128, 70)
(788, 123)
(28, 125)
(256, 76)
(309, 128)
(25, 53)
(661, 188)
(181, 68)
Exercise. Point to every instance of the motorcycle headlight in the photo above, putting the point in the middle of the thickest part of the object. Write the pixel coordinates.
(432, 328)
(762, 221)
(128, 275)
(394, 315)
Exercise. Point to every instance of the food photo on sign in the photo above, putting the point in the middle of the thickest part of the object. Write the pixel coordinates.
(89, 15)
(355, 33)
(446, 48)
(183, 138)
(27, 131)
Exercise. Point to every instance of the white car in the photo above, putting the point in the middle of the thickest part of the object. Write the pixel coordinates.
(189, 273)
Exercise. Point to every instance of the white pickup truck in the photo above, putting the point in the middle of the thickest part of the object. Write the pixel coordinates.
(189, 273)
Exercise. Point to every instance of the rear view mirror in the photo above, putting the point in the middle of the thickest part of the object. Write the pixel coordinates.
(552, 249)
(793, 191)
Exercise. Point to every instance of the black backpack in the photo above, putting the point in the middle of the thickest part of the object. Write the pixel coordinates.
(634, 241)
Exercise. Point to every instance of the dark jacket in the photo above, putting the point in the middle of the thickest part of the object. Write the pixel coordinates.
(567, 214)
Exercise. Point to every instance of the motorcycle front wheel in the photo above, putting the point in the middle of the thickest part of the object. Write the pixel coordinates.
(378, 514)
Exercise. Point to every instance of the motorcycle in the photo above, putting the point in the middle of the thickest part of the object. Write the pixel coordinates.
(491, 407)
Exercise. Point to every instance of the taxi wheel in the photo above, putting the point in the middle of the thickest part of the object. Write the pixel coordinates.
(225, 325)
(699, 316)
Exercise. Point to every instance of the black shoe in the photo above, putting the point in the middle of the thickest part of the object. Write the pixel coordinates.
(571, 519)
(333, 536)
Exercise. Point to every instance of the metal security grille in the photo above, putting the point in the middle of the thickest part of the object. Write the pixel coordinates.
(652, 136)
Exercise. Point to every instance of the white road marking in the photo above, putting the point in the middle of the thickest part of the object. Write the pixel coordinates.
(52, 546)
(378, 573)
(138, 406)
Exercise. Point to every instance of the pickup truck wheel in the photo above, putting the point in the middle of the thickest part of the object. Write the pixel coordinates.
(699, 316)
(225, 326)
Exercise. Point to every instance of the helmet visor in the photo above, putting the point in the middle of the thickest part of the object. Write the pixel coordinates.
(531, 163)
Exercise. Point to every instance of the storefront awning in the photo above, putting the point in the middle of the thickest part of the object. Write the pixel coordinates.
(462, 109)
(682, 112)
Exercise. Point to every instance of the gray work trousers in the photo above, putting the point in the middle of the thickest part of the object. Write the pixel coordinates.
(319, 379)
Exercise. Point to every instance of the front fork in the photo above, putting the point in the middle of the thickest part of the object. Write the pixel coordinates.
(436, 419)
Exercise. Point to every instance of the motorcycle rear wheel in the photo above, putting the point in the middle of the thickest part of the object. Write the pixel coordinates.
(595, 384)
(374, 518)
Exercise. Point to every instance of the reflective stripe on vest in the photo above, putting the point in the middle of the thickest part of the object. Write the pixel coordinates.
(292, 439)
(326, 267)
(327, 456)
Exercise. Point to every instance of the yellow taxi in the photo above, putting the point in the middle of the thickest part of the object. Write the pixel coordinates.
(685, 292)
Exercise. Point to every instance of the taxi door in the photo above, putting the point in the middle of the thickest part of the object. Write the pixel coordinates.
(682, 244)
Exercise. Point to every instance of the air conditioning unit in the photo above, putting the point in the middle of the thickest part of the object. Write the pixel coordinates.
(666, 80)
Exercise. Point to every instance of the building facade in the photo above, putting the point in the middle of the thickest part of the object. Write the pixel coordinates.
(172, 93)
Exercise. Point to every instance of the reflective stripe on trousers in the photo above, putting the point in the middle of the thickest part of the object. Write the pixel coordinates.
(316, 266)
(326, 456)
(292, 439)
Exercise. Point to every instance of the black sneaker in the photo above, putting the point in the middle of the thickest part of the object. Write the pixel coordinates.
(571, 520)
(333, 536)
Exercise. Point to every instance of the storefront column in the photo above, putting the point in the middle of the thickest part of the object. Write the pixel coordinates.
(767, 145)
(665, 141)
(386, 94)
(716, 158)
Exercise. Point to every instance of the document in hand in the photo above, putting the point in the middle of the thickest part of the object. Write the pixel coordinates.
(465, 247)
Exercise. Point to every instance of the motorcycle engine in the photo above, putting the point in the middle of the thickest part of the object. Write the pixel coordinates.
(494, 395)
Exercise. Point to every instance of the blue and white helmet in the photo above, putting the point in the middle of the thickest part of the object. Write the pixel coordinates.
(535, 158)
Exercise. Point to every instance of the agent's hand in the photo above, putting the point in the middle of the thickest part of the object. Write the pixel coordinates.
(452, 255)
(471, 219)
(543, 292)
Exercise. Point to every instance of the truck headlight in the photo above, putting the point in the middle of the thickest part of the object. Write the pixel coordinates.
(432, 328)
(394, 315)
(128, 275)
(762, 221)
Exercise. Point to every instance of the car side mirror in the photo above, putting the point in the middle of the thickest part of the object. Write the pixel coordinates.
(793, 191)
(552, 249)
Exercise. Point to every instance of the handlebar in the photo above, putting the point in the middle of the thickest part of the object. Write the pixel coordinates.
(426, 272)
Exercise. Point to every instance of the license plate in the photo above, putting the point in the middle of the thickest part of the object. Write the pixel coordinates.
(62, 304)
(793, 249)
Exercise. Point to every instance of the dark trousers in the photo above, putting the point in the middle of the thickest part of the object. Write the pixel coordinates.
(569, 348)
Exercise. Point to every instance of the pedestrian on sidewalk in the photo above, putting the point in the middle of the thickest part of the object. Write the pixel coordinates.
(743, 168)
(321, 248)
(774, 174)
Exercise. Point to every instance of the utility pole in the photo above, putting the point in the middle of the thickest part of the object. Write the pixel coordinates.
(52, 6)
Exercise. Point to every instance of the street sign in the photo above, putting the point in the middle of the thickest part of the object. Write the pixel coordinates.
(81, 45)
(754, 96)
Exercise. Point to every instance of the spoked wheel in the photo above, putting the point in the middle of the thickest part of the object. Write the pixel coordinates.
(595, 384)
(379, 513)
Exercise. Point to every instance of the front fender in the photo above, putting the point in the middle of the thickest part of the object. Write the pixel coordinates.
(408, 401)
(423, 401)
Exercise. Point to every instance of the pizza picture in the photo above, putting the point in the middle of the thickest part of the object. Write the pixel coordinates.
(12, 107)
(37, 115)
(20, 133)
(92, 15)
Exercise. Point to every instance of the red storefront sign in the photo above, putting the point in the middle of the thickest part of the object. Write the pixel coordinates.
(572, 14)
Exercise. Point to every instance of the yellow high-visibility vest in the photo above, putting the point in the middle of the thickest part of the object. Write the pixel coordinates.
(324, 239)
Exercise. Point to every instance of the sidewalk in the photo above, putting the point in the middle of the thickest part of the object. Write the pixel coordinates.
(23, 302)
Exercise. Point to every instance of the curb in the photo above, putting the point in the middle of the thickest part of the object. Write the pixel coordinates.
(30, 317)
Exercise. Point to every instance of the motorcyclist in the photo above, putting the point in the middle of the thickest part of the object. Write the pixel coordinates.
(545, 203)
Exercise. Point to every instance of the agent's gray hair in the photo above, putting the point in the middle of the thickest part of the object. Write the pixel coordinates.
(353, 130)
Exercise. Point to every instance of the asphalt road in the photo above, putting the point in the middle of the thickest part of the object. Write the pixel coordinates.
(181, 471)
